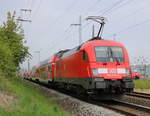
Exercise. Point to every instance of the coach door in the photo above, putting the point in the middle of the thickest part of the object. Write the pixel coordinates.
(49, 72)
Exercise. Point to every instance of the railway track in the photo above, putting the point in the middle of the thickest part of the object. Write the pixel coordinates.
(140, 95)
(126, 108)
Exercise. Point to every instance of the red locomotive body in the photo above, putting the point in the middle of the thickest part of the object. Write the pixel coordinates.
(97, 66)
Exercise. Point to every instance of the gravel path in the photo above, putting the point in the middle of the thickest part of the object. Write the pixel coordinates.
(75, 106)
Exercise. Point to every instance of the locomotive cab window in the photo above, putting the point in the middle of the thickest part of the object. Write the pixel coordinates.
(84, 56)
(109, 54)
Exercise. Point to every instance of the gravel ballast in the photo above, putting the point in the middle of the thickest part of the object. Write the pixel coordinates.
(136, 100)
(76, 106)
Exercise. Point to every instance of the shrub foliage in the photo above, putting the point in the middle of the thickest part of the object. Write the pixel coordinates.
(12, 49)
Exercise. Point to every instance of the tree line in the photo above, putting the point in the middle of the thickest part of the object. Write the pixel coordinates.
(12, 48)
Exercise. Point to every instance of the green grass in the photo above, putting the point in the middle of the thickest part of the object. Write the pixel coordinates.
(29, 101)
(142, 83)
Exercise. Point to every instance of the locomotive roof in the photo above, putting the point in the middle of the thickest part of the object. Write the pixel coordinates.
(101, 42)
(94, 41)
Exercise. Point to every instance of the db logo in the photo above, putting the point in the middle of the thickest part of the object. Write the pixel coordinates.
(112, 70)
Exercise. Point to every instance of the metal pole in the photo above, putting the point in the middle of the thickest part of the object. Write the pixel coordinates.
(38, 52)
(80, 30)
(93, 31)
(28, 65)
(114, 36)
(39, 57)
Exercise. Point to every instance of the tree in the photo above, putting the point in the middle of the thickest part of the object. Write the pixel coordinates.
(11, 37)
(7, 66)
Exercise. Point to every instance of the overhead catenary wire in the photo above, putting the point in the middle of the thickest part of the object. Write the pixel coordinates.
(27, 3)
(107, 10)
(110, 10)
(31, 4)
(37, 8)
(93, 5)
(130, 27)
(84, 26)
(68, 9)
(68, 30)
(130, 15)
(113, 6)
(60, 17)
(56, 21)
(121, 5)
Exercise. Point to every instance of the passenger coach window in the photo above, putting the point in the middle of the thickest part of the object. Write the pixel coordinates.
(85, 57)
(49, 67)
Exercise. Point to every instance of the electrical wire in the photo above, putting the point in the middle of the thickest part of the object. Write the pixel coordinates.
(113, 6)
(131, 14)
(68, 9)
(70, 6)
(121, 5)
(37, 8)
(31, 5)
(107, 10)
(68, 30)
(104, 12)
(92, 6)
(131, 27)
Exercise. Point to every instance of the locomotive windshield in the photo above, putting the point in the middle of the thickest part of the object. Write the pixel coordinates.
(109, 54)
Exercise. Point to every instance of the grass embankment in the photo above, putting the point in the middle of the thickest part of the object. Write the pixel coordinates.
(142, 83)
(25, 100)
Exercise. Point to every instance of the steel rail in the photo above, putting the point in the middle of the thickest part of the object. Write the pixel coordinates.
(135, 106)
(129, 106)
(140, 95)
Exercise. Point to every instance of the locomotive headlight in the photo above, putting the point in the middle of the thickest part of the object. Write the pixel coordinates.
(127, 71)
(123, 71)
(95, 72)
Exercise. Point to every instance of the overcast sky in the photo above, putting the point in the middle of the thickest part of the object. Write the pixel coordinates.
(50, 29)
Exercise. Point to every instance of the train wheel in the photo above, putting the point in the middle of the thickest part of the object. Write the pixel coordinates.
(81, 92)
(37, 80)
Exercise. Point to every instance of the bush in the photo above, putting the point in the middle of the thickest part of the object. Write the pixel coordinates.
(12, 50)
(6, 60)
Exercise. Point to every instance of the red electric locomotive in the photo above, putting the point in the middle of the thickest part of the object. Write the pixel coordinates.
(96, 67)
